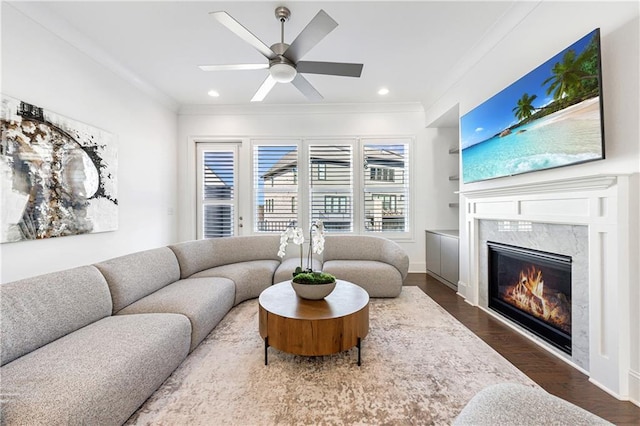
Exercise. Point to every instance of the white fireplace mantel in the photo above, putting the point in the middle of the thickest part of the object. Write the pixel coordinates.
(599, 202)
(597, 182)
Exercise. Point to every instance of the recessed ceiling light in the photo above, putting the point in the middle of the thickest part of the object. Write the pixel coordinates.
(213, 93)
(383, 91)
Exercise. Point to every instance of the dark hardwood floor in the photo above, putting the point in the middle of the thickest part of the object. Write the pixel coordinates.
(554, 375)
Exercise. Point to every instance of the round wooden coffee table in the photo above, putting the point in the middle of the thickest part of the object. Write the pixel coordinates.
(314, 327)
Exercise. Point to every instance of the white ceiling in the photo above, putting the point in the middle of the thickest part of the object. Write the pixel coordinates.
(412, 48)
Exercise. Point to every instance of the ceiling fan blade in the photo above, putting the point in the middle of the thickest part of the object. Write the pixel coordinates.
(264, 89)
(303, 85)
(233, 67)
(321, 25)
(330, 68)
(225, 19)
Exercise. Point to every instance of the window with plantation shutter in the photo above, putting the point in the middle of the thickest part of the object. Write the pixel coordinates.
(331, 185)
(275, 181)
(386, 186)
(352, 185)
(217, 191)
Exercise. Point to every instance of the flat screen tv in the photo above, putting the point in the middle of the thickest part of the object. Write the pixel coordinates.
(551, 117)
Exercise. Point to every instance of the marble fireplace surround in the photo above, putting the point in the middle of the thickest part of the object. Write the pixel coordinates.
(569, 240)
(585, 218)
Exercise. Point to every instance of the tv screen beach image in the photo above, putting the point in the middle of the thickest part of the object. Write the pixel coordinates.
(549, 118)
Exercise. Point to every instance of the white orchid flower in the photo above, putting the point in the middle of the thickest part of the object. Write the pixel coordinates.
(297, 236)
(318, 238)
(294, 235)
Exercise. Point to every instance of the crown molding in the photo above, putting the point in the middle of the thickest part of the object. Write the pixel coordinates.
(292, 109)
(41, 14)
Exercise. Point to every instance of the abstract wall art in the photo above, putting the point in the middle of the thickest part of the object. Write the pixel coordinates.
(57, 175)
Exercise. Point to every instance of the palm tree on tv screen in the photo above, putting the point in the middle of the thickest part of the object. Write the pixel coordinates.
(567, 76)
(525, 107)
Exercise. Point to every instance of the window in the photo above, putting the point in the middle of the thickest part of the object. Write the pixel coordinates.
(298, 182)
(268, 205)
(321, 170)
(383, 174)
(333, 204)
(388, 202)
(216, 188)
(275, 181)
(335, 183)
(386, 186)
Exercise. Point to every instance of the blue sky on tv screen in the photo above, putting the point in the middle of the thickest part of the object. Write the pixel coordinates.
(496, 114)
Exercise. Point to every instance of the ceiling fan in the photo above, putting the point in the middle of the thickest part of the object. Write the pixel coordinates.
(284, 63)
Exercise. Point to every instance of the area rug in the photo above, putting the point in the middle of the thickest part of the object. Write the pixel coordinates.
(419, 366)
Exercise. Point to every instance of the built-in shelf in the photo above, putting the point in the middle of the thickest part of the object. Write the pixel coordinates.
(456, 177)
(454, 204)
(454, 151)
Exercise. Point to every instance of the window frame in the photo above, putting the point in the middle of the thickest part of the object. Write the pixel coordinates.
(302, 178)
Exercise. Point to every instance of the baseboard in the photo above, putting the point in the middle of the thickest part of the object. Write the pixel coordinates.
(443, 281)
(607, 390)
(634, 387)
(462, 290)
(417, 267)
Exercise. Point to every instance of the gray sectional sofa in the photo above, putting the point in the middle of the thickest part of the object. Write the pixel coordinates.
(89, 345)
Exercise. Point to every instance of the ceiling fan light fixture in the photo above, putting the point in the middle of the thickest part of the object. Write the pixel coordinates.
(282, 73)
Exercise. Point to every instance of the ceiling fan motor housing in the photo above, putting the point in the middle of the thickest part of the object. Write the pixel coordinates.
(281, 69)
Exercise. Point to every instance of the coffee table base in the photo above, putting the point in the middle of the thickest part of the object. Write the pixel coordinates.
(266, 352)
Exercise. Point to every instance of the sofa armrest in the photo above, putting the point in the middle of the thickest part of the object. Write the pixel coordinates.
(395, 255)
(366, 247)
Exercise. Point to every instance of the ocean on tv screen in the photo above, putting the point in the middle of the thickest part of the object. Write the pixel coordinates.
(569, 136)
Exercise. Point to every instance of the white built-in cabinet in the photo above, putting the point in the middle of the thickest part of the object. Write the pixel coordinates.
(442, 256)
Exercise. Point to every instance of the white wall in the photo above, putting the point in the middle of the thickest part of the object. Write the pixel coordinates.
(40, 68)
(549, 28)
(313, 121)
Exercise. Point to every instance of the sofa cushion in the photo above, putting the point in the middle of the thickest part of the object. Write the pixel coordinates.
(250, 278)
(361, 247)
(288, 266)
(516, 404)
(98, 375)
(198, 255)
(379, 279)
(39, 310)
(205, 301)
(134, 276)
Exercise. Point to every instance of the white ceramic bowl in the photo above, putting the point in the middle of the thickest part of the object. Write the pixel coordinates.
(313, 291)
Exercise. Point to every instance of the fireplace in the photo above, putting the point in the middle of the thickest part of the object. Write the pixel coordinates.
(533, 289)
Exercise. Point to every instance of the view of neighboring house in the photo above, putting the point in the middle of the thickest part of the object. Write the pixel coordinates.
(385, 206)
(331, 183)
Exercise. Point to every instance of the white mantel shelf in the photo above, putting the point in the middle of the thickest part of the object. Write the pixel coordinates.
(590, 183)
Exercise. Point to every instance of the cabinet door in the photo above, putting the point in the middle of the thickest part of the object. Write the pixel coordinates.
(433, 253)
(449, 259)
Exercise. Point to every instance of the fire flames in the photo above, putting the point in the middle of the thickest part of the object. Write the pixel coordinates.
(529, 295)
